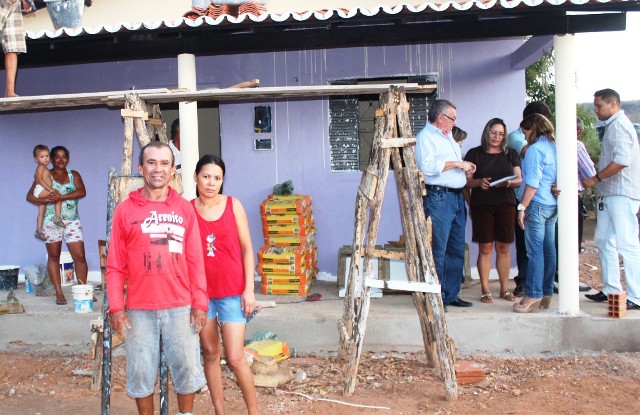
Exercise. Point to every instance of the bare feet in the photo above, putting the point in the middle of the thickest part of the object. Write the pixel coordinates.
(11, 95)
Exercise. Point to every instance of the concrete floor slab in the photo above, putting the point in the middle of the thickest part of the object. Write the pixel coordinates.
(392, 324)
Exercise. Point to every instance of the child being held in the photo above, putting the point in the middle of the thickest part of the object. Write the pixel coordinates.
(44, 188)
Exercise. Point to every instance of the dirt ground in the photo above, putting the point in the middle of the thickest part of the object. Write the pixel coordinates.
(38, 381)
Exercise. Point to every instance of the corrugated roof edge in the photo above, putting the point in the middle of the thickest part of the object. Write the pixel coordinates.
(334, 14)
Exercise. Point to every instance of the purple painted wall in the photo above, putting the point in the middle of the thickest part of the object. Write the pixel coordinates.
(476, 76)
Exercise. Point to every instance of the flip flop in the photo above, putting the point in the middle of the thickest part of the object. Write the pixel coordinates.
(40, 235)
(61, 301)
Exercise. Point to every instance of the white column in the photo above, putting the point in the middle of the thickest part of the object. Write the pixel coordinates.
(188, 113)
(567, 174)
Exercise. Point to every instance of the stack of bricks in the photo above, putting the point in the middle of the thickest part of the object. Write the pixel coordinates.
(617, 304)
(287, 262)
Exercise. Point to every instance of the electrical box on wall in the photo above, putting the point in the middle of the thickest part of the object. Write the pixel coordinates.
(262, 144)
(262, 119)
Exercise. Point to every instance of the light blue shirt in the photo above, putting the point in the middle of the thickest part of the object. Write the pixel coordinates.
(517, 140)
(620, 145)
(539, 170)
(433, 150)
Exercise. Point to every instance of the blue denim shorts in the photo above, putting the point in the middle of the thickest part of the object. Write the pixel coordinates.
(181, 345)
(227, 309)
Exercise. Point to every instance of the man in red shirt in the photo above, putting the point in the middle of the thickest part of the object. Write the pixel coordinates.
(155, 249)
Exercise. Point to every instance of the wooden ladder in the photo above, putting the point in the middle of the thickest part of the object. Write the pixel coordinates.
(393, 143)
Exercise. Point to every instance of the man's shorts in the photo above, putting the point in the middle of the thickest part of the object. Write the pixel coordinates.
(37, 190)
(11, 26)
(493, 223)
(181, 345)
(71, 233)
(226, 310)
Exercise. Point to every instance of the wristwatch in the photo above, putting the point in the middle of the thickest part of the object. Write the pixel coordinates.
(521, 207)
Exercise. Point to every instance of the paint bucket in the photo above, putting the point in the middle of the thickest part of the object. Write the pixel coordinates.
(9, 277)
(82, 298)
(65, 13)
(67, 269)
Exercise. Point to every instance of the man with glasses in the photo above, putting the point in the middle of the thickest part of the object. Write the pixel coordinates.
(440, 160)
(618, 190)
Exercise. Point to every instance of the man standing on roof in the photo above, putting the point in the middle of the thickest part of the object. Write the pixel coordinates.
(618, 191)
(445, 174)
(155, 248)
(12, 39)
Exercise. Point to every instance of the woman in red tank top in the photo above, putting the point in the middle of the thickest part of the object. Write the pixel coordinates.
(229, 266)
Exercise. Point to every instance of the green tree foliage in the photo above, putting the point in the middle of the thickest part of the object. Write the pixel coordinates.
(589, 136)
(540, 81)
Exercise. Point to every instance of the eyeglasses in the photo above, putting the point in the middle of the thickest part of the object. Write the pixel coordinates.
(496, 134)
(451, 118)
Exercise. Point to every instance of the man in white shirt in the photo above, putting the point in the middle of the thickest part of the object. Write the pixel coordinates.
(174, 144)
(439, 158)
(618, 191)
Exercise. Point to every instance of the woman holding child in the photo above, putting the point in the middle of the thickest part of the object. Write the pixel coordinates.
(69, 188)
(492, 205)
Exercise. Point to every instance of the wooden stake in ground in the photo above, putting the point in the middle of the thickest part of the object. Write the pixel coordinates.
(389, 146)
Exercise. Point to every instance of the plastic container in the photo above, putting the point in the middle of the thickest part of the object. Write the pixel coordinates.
(28, 288)
(67, 269)
(9, 277)
(82, 298)
(65, 13)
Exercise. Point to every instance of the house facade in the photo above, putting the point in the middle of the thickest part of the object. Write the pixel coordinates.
(478, 75)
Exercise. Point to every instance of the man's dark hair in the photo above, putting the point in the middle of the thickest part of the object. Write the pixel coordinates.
(175, 126)
(156, 144)
(39, 148)
(438, 107)
(608, 95)
(536, 107)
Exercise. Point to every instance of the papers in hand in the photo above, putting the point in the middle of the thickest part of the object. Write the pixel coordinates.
(504, 179)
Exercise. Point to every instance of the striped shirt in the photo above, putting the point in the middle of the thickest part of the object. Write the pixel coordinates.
(585, 165)
(620, 145)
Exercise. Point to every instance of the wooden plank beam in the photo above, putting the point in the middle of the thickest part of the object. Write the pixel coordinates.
(164, 95)
(412, 286)
(135, 114)
(398, 142)
(85, 99)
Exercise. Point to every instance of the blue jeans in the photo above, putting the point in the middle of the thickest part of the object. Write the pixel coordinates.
(226, 309)
(540, 236)
(521, 256)
(448, 217)
(181, 345)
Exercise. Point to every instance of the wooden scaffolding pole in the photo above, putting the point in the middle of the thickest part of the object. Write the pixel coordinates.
(136, 120)
(391, 117)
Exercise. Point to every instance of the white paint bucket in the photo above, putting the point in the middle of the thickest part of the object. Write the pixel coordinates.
(82, 298)
(67, 269)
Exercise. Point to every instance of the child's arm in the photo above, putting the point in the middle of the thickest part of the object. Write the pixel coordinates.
(43, 178)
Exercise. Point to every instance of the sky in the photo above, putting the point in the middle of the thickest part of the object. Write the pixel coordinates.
(609, 60)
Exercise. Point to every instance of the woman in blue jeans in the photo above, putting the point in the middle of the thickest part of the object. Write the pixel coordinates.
(537, 212)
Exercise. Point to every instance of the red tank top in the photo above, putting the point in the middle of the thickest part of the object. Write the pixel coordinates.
(222, 253)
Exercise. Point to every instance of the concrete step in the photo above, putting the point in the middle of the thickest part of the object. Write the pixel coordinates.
(392, 324)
